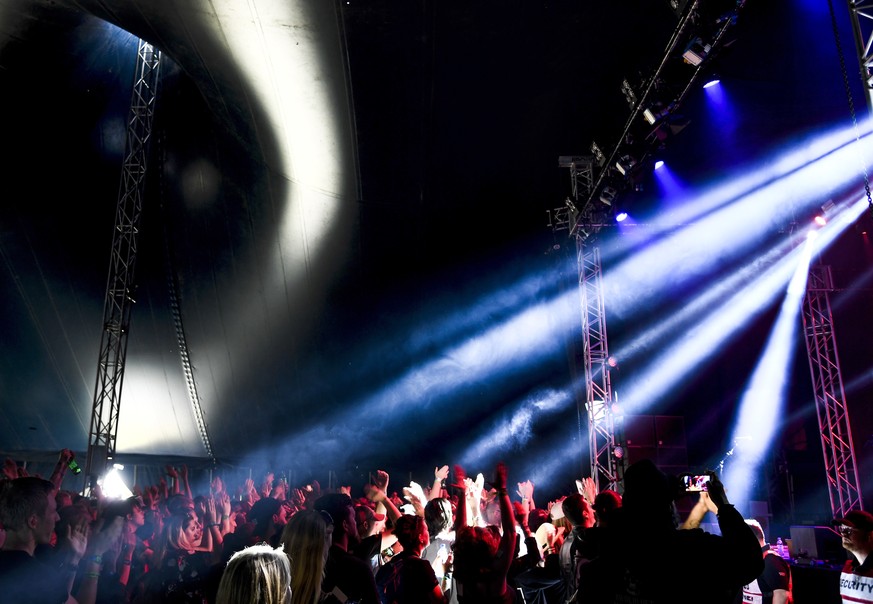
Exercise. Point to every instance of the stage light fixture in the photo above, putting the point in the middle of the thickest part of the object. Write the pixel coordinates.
(713, 82)
(625, 164)
(659, 164)
(599, 157)
(629, 94)
(607, 196)
(696, 51)
(621, 216)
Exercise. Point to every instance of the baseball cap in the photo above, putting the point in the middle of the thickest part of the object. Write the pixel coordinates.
(858, 519)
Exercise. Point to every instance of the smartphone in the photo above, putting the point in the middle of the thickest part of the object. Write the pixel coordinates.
(695, 483)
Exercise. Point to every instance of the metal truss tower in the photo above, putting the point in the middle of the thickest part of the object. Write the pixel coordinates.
(605, 433)
(844, 488)
(120, 282)
(604, 426)
(861, 14)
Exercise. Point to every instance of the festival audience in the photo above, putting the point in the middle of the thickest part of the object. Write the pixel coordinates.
(468, 544)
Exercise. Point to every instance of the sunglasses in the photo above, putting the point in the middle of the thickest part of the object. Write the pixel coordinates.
(847, 531)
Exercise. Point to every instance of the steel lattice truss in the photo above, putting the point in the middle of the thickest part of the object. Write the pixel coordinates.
(833, 415)
(120, 283)
(862, 27)
(607, 469)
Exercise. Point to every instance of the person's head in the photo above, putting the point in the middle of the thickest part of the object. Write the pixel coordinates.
(605, 504)
(474, 551)
(649, 495)
(306, 540)
(179, 504)
(368, 521)
(856, 530)
(757, 530)
(269, 515)
(577, 511)
(183, 531)
(438, 516)
(411, 532)
(342, 510)
(28, 508)
(63, 499)
(256, 575)
(537, 517)
(131, 509)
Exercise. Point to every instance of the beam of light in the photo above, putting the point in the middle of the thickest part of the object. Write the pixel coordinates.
(763, 400)
(513, 345)
(712, 83)
(793, 158)
(702, 340)
(514, 432)
(721, 237)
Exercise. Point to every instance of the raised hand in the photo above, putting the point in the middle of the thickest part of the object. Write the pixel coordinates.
(10, 469)
(525, 489)
(381, 480)
(440, 473)
(172, 473)
(587, 489)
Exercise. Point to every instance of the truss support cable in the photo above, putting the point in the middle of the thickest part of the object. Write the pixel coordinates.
(178, 324)
(121, 282)
(844, 488)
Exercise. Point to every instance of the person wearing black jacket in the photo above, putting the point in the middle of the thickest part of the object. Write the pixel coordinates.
(646, 559)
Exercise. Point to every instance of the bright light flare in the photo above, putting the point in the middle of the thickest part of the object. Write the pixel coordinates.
(113, 486)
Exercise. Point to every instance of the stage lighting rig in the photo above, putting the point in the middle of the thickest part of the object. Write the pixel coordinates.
(607, 195)
(629, 94)
(599, 157)
(625, 164)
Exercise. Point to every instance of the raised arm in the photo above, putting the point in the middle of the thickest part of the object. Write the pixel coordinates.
(439, 475)
(507, 519)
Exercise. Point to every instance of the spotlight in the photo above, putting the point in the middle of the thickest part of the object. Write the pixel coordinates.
(599, 157)
(820, 220)
(625, 164)
(618, 452)
(621, 216)
(659, 164)
(712, 82)
(607, 196)
(629, 94)
(696, 51)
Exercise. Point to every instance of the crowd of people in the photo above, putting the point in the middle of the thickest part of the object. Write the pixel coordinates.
(461, 541)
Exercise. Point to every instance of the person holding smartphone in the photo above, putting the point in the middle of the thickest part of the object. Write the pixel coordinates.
(644, 556)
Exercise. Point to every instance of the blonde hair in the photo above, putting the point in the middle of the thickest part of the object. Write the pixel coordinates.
(258, 574)
(304, 541)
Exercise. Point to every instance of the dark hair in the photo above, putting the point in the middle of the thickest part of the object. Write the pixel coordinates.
(574, 507)
(474, 550)
(338, 506)
(22, 497)
(436, 516)
(408, 529)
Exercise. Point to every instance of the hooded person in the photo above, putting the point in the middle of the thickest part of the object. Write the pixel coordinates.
(644, 557)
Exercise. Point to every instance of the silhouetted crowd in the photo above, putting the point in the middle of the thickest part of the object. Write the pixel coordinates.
(467, 541)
